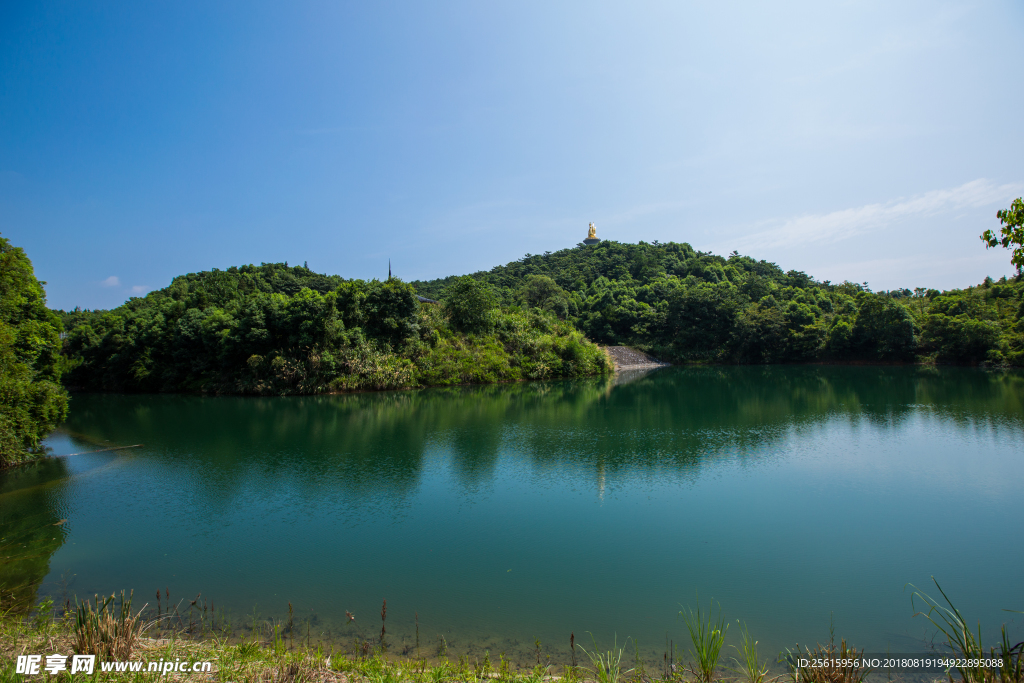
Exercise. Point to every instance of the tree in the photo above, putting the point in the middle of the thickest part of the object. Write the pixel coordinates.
(542, 292)
(390, 309)
(469, 304)
(1011, 233)
(884, 329)
(32, 402)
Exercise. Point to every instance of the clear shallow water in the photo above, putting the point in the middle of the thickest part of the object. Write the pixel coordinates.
(505, 514)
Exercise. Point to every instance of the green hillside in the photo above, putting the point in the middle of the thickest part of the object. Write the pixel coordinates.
(275, 329)
(684, 305)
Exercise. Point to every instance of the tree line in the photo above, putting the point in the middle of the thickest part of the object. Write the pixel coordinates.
(683, 305)
(279, 329)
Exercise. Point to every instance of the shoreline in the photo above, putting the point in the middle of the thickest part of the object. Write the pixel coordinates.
(270, 653)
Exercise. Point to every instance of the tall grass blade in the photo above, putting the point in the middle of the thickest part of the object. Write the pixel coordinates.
(707, 636)
(608, 664)
(749, 666)
(966, 643)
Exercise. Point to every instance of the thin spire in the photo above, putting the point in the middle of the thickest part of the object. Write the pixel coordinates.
(389, 269)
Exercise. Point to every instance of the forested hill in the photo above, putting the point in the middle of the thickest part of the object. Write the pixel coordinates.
(275, 329)
(685, 305)
(279, 329)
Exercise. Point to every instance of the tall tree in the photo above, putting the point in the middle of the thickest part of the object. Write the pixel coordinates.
(32, 402)
(1011, 233)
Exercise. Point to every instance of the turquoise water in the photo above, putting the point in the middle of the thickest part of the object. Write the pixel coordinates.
(500, 515)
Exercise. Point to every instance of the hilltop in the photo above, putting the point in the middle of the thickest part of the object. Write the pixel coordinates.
(683, 305)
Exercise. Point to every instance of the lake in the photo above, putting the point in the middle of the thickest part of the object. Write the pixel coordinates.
(496, 516)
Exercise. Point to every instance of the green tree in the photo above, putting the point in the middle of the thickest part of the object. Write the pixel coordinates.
(32, 402)
(1011, 233)
(540, 291)
(959, 339)
(884, 329)
(391, 308)
(469, 304)
(700, 320)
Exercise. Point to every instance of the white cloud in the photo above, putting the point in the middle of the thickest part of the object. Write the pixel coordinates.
(139, 289)
(112, 281)
(842, 225)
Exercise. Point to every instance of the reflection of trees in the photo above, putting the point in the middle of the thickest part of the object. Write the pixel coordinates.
(373, 444)
(30, 529)
(365, 443)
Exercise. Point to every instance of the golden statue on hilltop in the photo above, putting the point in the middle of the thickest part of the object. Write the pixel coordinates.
(591, 235)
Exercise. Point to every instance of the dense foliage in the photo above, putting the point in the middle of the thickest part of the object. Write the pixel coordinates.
(32, 402)
(1011, 233)
(275, 329)
(684, 305)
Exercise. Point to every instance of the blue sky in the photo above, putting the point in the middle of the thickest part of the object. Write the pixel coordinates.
(870, 141)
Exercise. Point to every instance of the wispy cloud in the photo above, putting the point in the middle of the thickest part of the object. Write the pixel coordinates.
(139, 289)
(112, 281)
(842, 225)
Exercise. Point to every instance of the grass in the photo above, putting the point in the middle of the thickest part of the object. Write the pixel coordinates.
(749, 666)
(707, 637)
(113, 630)
(836, 671)
(967, 643)
(607, 664)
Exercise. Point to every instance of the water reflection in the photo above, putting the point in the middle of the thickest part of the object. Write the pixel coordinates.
(432, 497)
(31, 528)
(374, 443)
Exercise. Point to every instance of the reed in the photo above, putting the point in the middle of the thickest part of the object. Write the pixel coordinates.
(278, 641)
(707, 636)
(840, 668)
(191, 606)
(640, 672)
(107, 630)
(291, 624)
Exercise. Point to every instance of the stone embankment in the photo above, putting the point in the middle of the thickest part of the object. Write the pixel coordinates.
(628, 358)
